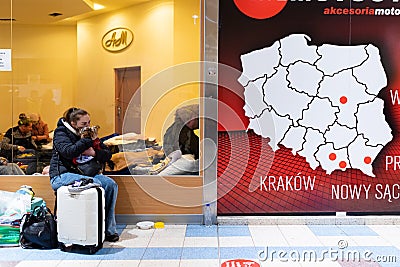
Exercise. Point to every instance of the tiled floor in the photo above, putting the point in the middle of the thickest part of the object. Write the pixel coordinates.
(226, 245)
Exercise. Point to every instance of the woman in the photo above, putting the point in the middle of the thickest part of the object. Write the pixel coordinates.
(68, 145)
(18, 139)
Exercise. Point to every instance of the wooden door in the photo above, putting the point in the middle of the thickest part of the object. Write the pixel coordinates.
(127, 100)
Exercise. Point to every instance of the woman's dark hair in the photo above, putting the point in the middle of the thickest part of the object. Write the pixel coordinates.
(73, 114)
(23, 120)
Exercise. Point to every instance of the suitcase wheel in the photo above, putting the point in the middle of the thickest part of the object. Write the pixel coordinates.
(92, 250)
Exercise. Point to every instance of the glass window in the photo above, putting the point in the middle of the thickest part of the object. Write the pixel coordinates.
(124, 66)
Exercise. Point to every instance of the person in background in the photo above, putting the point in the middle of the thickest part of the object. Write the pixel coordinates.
(40, 129)
(7, 168)
(18, 139)
(180, 136)
(68, 144)
(181, 144)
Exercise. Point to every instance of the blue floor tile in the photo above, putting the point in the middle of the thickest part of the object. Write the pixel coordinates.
(357, 230)
(53, 254)
(162, 253)
(238, 253)
(233, 230)
(122, 253)
(342, 230)
(385, 256)
(79, 256)
(201, 231)
(200, 253)
(14, 254)
(326, 230)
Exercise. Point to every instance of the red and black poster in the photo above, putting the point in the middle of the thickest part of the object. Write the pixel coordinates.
(309, 122)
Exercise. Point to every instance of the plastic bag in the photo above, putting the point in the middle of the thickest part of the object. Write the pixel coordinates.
(13, 206)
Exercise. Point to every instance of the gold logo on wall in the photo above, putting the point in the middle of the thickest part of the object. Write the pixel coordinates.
(117, 39)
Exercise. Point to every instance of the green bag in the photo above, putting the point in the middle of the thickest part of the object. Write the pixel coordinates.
(9, 235)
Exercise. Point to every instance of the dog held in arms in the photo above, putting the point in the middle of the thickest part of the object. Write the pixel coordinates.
(90, 132)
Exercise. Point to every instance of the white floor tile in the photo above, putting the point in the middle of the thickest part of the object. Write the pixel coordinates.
(166, 242)
(267, 235)
(299, 235)
(391, 233)
(370, 241)
(133, 238)
(279, 264)
(131, 243)
(199, 263)
(379, 229)
(108, 244)
(138, 232)
(131, 226)
(120, 263)
(170, 231)
(37, 263)
(173, 236)
(236, 241)
(159, 263)
(174, 226)
(200, 242)
(247, 259)
(78, 263)
(326, 263)
(334, 241)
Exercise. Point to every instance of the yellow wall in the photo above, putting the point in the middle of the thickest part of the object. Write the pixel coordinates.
(160, 41)
(43, 77)
(184, 87)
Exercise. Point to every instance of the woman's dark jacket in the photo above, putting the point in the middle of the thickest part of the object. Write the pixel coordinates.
(67, 146)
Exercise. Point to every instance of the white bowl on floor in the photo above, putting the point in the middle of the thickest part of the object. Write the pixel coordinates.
(145, 225)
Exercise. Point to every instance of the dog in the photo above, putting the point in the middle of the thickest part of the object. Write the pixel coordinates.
(89, 132)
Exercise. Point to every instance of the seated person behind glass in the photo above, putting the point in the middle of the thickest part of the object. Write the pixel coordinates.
(181, 144)
(40, 129)
(7, 168)
(180, 135)
(18, 139)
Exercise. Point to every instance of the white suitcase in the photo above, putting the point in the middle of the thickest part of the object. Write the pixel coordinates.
(80, 218)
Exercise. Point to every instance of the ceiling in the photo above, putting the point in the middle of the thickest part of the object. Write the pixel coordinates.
(37, 11)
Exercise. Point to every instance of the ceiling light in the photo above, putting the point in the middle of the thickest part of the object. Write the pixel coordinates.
(195, 17)
(55, 14)
(97, 6)
(7, 19)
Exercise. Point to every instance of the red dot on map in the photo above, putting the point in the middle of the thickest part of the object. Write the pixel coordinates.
(367, 160)
(332, 156)
(343, 100)
(342, 164)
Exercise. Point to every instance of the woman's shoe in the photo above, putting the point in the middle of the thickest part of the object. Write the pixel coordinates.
(112, 238)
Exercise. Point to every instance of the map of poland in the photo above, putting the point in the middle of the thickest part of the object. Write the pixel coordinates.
(320, 101)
